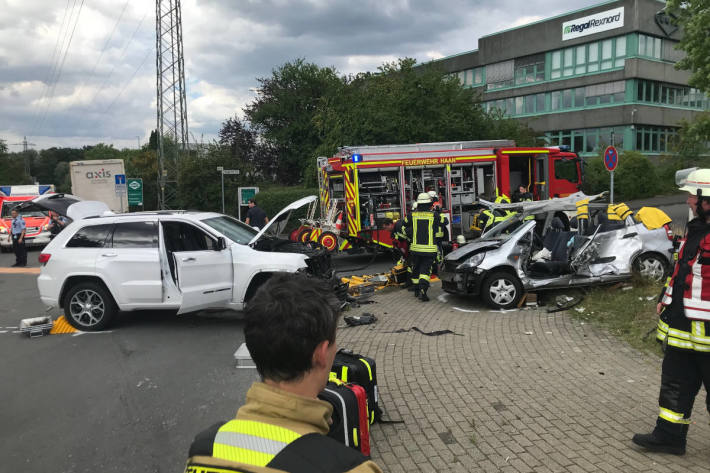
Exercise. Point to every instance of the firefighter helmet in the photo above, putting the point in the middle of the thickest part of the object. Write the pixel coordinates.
(698, 183)
(423, 198)
(433, 194)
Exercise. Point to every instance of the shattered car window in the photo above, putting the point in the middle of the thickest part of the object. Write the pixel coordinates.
(232, 228)
(503, 230)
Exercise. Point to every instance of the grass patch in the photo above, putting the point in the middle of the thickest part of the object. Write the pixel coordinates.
(628, 312)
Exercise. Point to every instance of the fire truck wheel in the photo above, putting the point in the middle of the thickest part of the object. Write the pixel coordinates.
(328, 240)
(304, 236)
(293, 236)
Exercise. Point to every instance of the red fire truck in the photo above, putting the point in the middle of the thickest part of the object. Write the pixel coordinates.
(37, 233)
(363, 185)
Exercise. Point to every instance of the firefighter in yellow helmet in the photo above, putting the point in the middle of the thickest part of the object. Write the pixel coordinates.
(684, 326)
(421, 229)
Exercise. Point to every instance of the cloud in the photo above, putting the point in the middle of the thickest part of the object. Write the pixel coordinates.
(106, 89)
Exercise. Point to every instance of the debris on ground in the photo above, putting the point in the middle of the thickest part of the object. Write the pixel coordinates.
(428, 334)
(36, 326)
(564, 303)
(365, 319)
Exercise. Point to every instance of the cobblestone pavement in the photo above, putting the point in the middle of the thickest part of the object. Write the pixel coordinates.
(515, 392)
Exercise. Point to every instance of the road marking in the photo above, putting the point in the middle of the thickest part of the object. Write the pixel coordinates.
(465, 310)
(3, 331)
(19, 270)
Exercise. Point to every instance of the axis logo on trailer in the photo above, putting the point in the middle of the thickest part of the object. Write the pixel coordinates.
(603, 21)
(101, 174)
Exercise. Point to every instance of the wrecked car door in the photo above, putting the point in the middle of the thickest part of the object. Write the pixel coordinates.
(608, 253)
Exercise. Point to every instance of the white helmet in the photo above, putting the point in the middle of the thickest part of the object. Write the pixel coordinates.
(697, 181)
(423, 198)
(433, 195)
(414, 205)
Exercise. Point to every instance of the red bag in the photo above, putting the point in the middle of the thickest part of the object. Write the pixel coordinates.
(364, 427)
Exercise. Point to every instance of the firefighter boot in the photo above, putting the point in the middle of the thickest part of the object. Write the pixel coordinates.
(423, 297)
(659, 442)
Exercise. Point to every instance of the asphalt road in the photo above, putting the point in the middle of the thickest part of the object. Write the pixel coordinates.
(130, 399)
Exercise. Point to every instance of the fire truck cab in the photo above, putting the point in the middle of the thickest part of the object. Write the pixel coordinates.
(368, 184)
(37, 232)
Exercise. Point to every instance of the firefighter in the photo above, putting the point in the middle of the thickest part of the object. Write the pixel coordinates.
(400, 243)
(684, 326)
(441, 235)
(421, 229)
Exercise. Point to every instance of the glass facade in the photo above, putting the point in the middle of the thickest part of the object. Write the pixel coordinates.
(588, 58)
(654, 139)
(472, 77)
(588, 140)
(667, 94)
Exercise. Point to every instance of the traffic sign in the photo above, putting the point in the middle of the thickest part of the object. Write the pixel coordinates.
(611, 158)
(246, 193)
(135, 191)
(120, 179)
(230, 171)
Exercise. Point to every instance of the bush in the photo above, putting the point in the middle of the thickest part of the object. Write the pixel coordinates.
(634, 178)
(272, 200)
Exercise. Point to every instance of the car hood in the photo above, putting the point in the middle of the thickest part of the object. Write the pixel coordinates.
(68, 205)
(475, 246)
(277, 224)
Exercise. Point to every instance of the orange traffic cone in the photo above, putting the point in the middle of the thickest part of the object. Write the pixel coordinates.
(339, 222)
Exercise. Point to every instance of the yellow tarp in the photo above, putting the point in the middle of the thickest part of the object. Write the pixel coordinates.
(652, 217)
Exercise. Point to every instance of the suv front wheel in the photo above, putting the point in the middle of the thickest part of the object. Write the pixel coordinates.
(89, 307)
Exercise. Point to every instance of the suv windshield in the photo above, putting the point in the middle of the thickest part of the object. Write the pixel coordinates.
(8, 205)
(232, 228)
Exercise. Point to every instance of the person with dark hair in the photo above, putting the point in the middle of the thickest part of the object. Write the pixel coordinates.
(290, 333)
(255, 216)
(684, 326)
(19, 228)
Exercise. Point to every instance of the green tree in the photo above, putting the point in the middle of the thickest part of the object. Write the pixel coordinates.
(694, 17)
(284, 110)
(101, 151)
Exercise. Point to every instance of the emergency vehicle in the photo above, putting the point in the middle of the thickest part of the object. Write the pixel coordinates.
(363, 185)
(37, 230)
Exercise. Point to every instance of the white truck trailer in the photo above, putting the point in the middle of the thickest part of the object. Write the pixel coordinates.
(96, 180)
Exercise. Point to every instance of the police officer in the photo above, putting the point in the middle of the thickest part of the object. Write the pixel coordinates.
(421, 229)
(290, 334)
(19, 228)
(684, 326)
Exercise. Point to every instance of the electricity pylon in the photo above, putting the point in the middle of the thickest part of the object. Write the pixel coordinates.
(172, 104)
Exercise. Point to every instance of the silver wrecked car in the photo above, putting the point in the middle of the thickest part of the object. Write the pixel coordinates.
(543, 252)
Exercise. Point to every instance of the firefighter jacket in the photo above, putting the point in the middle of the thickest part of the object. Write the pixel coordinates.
(442, 233)
(689, 288)
(421, 228)
(398, 231)
(275, 431)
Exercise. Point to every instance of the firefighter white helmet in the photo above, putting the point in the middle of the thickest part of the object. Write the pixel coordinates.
(423, 198)
(697, 182)
(414, 205)
(433, 195)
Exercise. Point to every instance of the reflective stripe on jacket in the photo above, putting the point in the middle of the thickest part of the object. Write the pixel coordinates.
(694, 268)
(251, 442)
(421, 229)
(697, 339)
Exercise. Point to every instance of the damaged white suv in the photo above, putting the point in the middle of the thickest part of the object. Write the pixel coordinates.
(103, 263)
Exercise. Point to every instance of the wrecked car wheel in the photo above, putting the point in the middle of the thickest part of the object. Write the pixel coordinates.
(651, 266)
(502, 290)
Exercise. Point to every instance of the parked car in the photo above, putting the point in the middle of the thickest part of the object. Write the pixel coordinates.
(549, 252)
(187, 261)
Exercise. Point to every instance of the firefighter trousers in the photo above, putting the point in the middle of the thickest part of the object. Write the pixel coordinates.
(421, 270)
(682, 374)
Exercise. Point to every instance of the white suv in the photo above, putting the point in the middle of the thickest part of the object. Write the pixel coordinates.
(187, 261)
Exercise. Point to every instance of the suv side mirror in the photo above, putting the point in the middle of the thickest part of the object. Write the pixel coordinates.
(221, 244)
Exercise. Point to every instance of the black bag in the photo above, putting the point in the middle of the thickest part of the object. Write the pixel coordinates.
(350, 367)
(364, 319)
(346, 427)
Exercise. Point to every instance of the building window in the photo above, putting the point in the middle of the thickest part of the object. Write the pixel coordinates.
(649, 46)
(666, 94)
(591, 57)
(590, 140)
(654, 139)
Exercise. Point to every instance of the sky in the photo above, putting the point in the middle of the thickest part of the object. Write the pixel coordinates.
(81, 72)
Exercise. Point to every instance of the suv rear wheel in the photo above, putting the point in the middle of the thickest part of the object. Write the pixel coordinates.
(89, 307)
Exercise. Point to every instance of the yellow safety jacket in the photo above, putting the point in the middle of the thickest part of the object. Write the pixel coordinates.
(442, 221)
(421, 230)
(258, 440)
